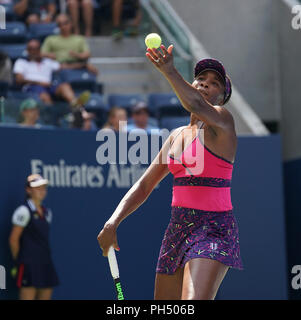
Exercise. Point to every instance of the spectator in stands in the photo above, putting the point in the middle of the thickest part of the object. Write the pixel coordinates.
(140, 116)
(5, 68)
(116, 115)
(35, 11)
(29, 243)
(132, 30)
(70, 50)
(35, 76)
(74, 7)
(29, 112)
(83, 120)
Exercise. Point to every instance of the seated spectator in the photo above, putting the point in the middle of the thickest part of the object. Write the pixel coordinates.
(29, 112)
(35, 11)
(70, 50)
(81, 119)
(132, 30)
(89, 123)
(35, 76)
(140, 116)
(116, 115)
(74, 7)
(5, 68)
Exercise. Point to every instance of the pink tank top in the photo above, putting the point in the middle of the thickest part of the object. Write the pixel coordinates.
(202, 179)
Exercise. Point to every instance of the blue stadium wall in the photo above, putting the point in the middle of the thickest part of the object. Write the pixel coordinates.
(292, 179)
(82, 205)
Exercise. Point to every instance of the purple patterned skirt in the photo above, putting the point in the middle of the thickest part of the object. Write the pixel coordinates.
(193, 233)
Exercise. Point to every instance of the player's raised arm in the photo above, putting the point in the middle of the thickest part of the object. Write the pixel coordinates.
(132, 200)
(195, 97)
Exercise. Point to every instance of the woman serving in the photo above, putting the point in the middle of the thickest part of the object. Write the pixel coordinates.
(201, 241)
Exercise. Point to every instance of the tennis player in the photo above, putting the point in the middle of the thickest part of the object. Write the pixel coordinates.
(201, 241)
(29, 243)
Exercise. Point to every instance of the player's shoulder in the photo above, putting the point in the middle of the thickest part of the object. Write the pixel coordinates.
(226, 124)
(177, 130)
(21, 209)
(21, 216)
(224, 112)
(174, 133)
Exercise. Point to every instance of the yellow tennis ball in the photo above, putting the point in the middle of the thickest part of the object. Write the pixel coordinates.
(153, 40)
(14, 272)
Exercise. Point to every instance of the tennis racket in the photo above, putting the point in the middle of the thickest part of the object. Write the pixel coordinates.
(115, 273)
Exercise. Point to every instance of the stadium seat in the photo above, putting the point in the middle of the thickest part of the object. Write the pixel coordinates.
(8, 121)
(15, 32)
(9, 11)
(97, 102)
(80, 79)
(97, 105)
(52, 115)
(15, 51)
(12, 113)
(14, 93)
(3, 89)
(165, 104)
(171, 123)
(42, 30)
(104, 9)
(11, 109)
(126, 101)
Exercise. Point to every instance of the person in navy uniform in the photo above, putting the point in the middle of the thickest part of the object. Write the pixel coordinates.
(29, 243)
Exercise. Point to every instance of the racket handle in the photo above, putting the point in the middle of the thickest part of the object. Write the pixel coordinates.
(113, 263)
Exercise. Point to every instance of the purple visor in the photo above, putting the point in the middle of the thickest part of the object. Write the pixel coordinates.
(215, 65)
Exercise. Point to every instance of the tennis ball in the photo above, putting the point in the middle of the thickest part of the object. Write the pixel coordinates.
(153, 40)
(14, 272)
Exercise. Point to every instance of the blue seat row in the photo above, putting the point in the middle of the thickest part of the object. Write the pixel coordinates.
(171, 117)
(9, 11)
(79, 79)
(159, 104)
(14, 51)
(16, 32)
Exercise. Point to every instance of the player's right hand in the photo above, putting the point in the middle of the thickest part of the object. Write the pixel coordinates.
(162, 60)
(107, 238)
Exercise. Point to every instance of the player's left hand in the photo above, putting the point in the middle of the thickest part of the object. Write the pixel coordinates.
(161, 60)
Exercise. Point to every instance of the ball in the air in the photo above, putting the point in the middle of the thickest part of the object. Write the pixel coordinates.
(14, 272)
(153, 40)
